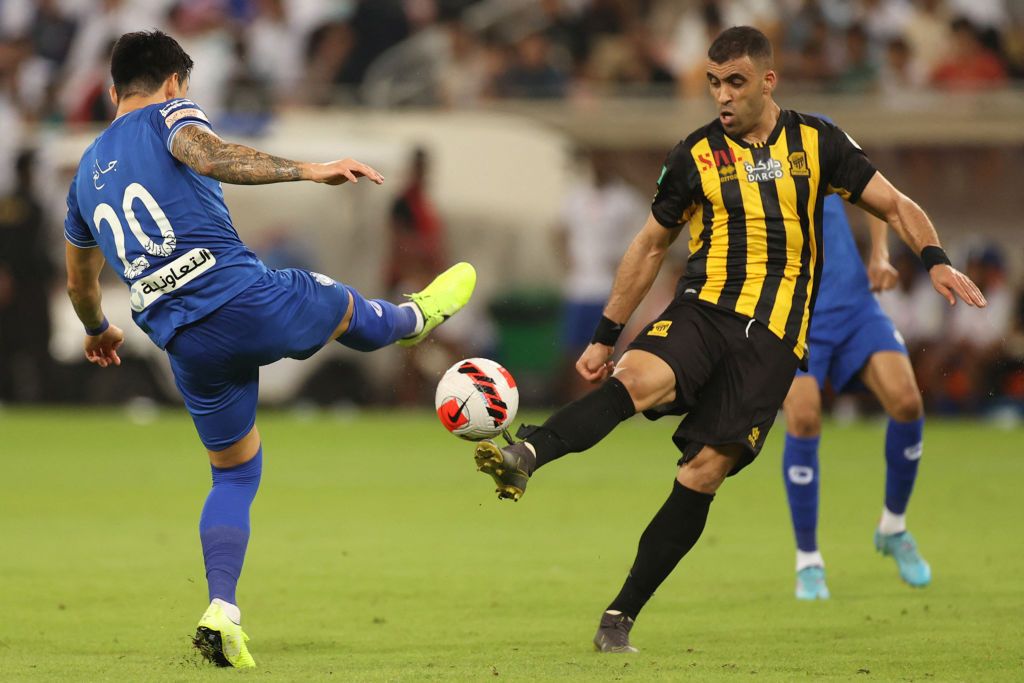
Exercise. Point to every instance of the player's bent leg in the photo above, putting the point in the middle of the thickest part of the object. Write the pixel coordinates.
(800, 476)
(642, 380)
(889, 375)
(371, 324)
(803, 407)
(670, 535)
(224, 533)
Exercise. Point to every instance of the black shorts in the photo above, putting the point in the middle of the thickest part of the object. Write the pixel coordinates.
(732, 375)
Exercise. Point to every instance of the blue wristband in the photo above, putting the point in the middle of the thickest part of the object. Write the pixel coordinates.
(96, 331)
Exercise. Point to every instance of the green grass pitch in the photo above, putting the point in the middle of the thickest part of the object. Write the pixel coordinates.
(379, 554)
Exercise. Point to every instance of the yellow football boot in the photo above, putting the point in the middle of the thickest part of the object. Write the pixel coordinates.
(441, 299)
(220, 639)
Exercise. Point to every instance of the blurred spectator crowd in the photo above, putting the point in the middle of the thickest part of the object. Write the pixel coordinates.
(256, 56)
(967, 360)
(253, 55)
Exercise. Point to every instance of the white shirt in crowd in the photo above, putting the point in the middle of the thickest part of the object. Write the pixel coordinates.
(599, 224)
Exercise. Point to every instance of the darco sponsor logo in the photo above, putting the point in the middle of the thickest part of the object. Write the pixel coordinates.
(763, 171)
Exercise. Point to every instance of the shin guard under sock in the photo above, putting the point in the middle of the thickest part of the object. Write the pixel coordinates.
(375, 323)
(903, 448)
(224, 525)
(669, 536)
(582, 423)
(800, 473)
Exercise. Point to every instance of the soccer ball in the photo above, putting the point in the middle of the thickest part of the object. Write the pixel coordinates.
(476, 399)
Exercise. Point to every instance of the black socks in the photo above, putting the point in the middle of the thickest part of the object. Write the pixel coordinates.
(581, 424)
(669, 536)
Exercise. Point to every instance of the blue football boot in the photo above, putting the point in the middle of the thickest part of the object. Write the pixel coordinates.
(810, 584)
(902, 547)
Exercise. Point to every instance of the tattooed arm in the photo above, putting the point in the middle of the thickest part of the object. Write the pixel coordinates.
(205, 153)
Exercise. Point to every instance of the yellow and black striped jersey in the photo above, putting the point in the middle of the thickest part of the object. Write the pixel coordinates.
(755, 213)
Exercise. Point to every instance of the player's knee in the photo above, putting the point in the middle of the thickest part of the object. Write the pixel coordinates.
(709, 468)
(906, 406)
(803, 421)
(645, 390)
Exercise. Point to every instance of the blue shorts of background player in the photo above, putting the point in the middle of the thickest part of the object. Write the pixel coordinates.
(839, 349)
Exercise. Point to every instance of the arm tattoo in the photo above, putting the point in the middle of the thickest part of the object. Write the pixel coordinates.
(207, 154)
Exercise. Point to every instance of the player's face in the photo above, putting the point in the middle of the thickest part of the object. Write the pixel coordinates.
(741, 90)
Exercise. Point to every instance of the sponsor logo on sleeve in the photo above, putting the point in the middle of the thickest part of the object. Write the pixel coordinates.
(322, 279)
(185, 113)
(164, 111)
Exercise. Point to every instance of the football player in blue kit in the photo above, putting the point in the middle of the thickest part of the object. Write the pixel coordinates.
(854, 344)
(147, 199)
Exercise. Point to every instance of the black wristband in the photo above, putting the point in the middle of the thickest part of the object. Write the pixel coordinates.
(607, 332)
(96, 331)
(933, 256)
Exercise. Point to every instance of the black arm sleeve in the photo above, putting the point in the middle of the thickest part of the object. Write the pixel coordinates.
(677, 188)
(849, 168)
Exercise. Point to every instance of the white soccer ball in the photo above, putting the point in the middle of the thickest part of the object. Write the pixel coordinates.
(476, 399)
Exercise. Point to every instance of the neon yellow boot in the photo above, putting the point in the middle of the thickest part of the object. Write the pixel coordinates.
(220, 639)
(442, 298)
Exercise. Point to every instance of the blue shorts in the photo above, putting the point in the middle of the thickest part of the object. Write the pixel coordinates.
(579, 320)
(216, 360)
(842, 343)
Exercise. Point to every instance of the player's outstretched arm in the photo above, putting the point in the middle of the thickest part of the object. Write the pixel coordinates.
(102, 340)
(633, 279)
(205, 153)
(911, 223)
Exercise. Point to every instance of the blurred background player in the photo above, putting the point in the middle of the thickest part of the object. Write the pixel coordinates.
(597, 216)
(204, 297)
(852, 343)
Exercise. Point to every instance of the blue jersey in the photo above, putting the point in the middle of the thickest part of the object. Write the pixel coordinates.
(844, 280)
(162, 226)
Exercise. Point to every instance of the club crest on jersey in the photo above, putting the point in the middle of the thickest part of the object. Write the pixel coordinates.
(660, 328)
(798, 164)
(764, 171)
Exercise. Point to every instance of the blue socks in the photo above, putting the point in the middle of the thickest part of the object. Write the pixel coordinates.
(800, 472)
(903, 442)
(376, 323)
(224, 525)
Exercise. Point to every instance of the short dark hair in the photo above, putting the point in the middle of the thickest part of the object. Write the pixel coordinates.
(141, 61)
(740, 41)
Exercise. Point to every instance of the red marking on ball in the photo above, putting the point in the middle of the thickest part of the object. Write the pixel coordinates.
(453, 413)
